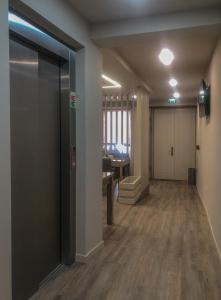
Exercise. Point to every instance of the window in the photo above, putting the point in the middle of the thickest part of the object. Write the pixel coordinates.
(117, 130)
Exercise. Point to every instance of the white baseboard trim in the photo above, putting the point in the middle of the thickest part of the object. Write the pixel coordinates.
(210, 224)
(84, 258)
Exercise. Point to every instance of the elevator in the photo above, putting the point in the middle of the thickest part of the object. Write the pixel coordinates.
(43, 150)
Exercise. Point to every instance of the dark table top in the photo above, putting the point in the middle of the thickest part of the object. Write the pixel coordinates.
(107, 175)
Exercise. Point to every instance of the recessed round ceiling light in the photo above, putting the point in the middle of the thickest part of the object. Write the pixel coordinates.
(173, 82)
(176, 95)
(166, 56)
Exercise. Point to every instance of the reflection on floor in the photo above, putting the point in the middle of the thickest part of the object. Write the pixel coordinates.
(161, 248)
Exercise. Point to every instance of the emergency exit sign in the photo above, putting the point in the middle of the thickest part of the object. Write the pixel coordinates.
(172, 101)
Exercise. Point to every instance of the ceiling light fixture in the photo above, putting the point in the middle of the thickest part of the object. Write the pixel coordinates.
(166, 56)
(114, 84)
(202, 92)
(176, 95)
(173, 82)
(111, 87)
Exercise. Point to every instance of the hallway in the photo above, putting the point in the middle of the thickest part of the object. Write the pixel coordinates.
(162, 248)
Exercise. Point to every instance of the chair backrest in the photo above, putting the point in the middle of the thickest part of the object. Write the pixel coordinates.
(106, 164)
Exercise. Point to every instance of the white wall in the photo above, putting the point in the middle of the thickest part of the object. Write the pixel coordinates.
(5, 181)
(59, 17)
(208, 157)
(93, 146)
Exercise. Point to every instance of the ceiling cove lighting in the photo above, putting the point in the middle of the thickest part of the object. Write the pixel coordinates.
(114, 84)
(176, 95)
(173, 82)
(15, 19)
(166, 56)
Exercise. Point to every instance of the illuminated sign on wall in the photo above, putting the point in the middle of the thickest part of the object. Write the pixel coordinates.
(172, 101)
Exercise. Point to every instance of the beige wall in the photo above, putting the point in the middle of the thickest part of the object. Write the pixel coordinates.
(208, 158)
(141, 138)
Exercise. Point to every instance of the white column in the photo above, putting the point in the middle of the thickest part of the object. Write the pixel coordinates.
(141, 138)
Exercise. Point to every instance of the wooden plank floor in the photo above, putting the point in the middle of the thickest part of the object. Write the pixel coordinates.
(162, 248)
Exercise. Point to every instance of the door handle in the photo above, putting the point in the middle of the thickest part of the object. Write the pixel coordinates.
(171, 151)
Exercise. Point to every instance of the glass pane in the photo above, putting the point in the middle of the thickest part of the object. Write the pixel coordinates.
(119, 127)
(129, 127)
(104, 127)
(124, 127)
(108, 127)
(114, 127)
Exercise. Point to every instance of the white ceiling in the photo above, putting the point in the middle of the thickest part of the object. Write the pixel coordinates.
(193, 49)
(96, 11)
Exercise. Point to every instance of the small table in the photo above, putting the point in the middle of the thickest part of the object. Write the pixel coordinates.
(107, 178)
(121, 164)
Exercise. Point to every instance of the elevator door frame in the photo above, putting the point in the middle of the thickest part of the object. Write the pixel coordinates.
(53, 48)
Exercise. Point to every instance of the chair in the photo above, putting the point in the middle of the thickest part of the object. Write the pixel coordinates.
(107, 167)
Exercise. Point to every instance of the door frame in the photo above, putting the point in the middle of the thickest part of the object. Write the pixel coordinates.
(152, 111)
(53, 48)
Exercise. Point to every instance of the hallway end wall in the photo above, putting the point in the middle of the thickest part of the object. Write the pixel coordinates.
(208, 157)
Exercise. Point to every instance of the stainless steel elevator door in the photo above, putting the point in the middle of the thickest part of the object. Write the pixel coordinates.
(36, 169)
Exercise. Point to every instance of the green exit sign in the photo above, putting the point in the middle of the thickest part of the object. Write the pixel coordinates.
(172, 101)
